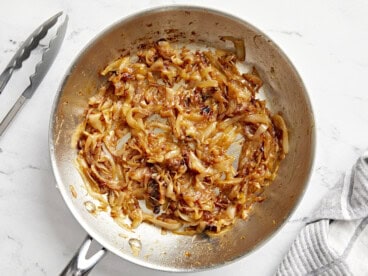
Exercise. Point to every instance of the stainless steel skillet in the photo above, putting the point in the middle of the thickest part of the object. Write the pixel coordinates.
(285, 93)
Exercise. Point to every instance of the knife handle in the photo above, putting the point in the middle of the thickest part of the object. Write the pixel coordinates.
(11, 114)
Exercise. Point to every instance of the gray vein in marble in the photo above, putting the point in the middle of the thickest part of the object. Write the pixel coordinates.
(325, 175)
(72, 35)
(336, 133)
(75, 33)
(30, 167)
(13, 47)
(16, 250)
(332, 132)
(11, 238)
(33, 267)
(9, 51)
(357, 150)
(358, 98)
(10, 153)
(34, 167)
(18, 243)
(299, 220)
(39, 48)
(286, 32)
(3, 172)
(40, 268)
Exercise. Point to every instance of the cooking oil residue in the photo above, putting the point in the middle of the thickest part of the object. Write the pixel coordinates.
(136, 246)
(72, 190)
(187, 254)
(123, 236)
(90, 207)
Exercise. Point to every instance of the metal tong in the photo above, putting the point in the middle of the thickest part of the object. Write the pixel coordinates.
(42, 67)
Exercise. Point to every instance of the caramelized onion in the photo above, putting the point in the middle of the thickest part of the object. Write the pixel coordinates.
(239, 46)
(162, 134)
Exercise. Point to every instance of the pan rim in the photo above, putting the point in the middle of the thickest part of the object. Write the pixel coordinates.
(63, 190)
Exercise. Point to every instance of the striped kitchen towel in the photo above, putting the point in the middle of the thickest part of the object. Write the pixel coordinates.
(335, 239)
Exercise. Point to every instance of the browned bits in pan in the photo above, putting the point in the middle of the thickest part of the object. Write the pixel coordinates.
(178, 138)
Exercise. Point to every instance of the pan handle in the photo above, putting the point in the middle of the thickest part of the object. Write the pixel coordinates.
(79, 265)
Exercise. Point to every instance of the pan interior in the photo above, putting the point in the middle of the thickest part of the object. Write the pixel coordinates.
(284, 91)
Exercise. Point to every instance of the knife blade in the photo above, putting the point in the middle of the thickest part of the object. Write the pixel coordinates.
(42, 67)
(26, 48)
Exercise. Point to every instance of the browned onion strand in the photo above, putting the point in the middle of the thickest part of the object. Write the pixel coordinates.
(161, 132)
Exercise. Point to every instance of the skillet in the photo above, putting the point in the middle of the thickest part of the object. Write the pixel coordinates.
(146, 245)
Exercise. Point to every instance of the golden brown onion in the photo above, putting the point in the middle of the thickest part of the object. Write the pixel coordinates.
(162, 133)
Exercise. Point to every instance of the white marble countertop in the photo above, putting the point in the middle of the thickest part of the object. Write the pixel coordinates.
(326, 40)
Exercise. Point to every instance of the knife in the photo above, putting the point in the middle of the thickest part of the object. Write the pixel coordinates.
(42, 67)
